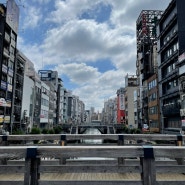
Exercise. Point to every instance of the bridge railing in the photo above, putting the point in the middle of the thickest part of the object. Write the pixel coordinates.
(124, 138)
(34, 172)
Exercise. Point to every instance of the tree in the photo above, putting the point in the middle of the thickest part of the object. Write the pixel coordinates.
(35, 130)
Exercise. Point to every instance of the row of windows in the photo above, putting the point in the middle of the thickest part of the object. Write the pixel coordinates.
(152, 97)
(168, 70)
(44, 102)
(170, 85)
(170, 35)
(154, 124)
(152, 84)
(171, 51)
(45, 91)
(153, 110)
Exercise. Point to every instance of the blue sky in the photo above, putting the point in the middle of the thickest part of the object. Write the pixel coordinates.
(91, 43)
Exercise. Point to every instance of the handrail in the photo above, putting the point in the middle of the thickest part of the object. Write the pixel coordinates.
(149, 137)
(147, 155)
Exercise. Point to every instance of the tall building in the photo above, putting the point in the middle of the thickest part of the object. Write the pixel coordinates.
(171, 43)
(9, 19)
(130, 88)
(32, 95)
(51, 79)
(146, 64)
(19, 121)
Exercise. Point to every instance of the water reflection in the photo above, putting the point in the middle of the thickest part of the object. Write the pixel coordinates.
(92, 131)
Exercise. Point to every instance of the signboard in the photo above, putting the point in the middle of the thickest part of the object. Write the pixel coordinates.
(4, 68)
(3, 85)
(182, 112)
(12, 15)
(4, 103)
(7, 119)
(183, 123)
(1, 119)
(9, 88)
(121, 102)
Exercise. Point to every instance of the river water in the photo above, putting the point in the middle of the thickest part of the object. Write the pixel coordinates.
(92, 141)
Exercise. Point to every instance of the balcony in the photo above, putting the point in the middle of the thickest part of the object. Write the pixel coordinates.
(6, 53)
(171, 109)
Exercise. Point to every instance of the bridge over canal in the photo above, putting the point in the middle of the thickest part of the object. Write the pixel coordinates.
(23, 163)
(104, 129)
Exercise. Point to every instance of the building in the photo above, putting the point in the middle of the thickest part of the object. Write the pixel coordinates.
(181, 64)
(31, 96)
(153, 104)
(146, 64)
(171, 43)
(51, 79)
(121, 106)
(44, 112)
(9, 19)
(130, 88)
(18, 121)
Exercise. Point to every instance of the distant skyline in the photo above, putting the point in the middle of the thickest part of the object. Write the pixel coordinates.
(91, 43)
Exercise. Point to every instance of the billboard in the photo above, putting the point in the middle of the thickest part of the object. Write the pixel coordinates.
(12, 15)
(121, 102)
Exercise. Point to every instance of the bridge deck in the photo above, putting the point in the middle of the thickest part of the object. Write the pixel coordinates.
(92, 176)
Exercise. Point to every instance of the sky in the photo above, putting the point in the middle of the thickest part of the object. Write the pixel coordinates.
(91, 43)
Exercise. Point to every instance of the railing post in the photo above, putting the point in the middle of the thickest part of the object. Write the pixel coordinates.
(121, 160)
(32, 163)
(4, 143)
(63, 143)
(148, 174)
(180, 161)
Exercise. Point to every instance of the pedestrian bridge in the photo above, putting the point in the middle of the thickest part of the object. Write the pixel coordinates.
(23, 163)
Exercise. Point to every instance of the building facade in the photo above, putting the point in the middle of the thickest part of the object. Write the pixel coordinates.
(146, 64)
(130, 88)
(171, 43)
(9, 19)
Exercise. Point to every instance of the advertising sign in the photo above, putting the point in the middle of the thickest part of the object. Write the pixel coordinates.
(121, 102)
(4, 103)
(12, 15)
(1, 118)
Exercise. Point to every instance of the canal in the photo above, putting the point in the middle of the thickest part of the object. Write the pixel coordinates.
(92, 131)
(93, 142)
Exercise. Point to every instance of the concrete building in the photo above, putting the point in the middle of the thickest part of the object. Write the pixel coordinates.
(130, 87)
(51, 79)
(171, 43)
(9, 20)
(31, 102)
(146, 64)
(19, 120)
(44, 112)
(109, 114)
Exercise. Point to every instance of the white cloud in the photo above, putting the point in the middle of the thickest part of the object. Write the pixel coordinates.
(33, 17)
(80, 74)
(72, 43)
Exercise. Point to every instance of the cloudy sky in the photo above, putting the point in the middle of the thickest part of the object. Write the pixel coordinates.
(91, 43)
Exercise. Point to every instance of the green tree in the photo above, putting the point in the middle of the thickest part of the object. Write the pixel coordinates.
(35, 130)
(45, 131)
(57, 129)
